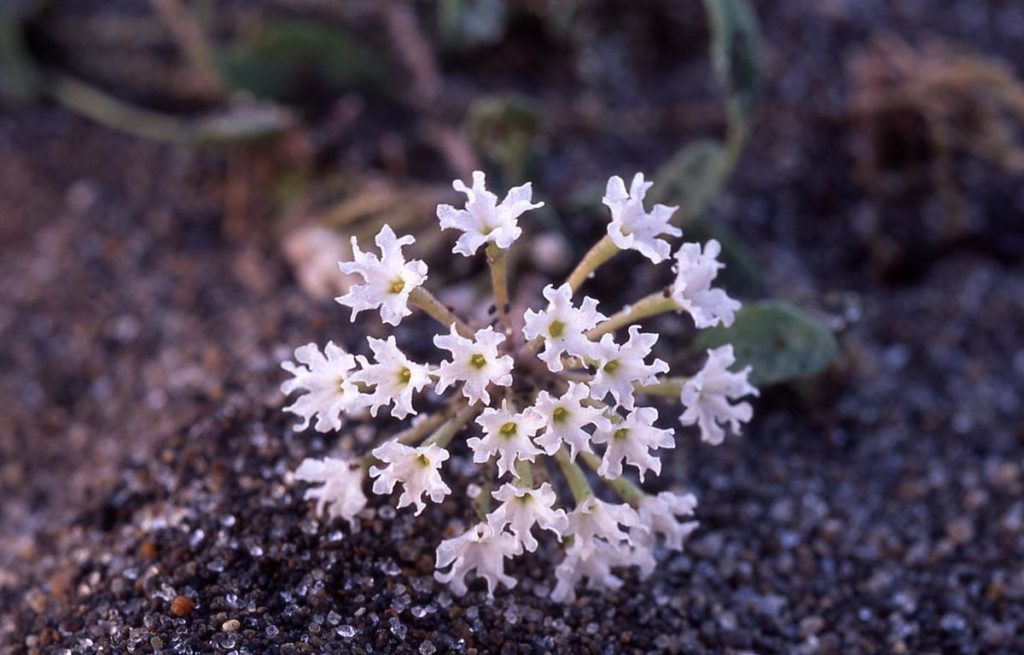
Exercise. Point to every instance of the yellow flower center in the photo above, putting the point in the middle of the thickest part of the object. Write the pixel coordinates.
(478, 361)
(423, 460)
(560, 415)
(397, 285)
(556, 329)
(404, 375)
(508, 430)
(621, 434)
(611, 366)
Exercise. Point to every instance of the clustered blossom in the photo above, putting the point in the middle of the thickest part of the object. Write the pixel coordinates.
(620, 367)
(507, 436)
(564, 419)
(692, 291)
(484, 220)
(328, 387)
(341, 491)
(562, 326)
(707, 395)
(417, 469)
(394, 377)
(388, 280)
(633, 227)
(559, 390)
(632, 440)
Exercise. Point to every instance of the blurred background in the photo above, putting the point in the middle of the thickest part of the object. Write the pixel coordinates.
(178, 179)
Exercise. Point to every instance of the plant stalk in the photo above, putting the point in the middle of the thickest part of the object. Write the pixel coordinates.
(575, 476)
(498, 263)
(426, 301)
(652, 305)
(622, 487)
(601, 252)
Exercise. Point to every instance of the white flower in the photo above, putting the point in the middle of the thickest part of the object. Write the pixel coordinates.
(328, 386)
(562, 326)
(707, 394)
(596, 569)
(658, 514)
(481, 548)
(341, 493)
(521, 508)
(388, 280)
(394, 377)
(695, 270)
(632, 227)
(594, 520)
(619, 367)
(564, 418)
(474, 361)
(484, 219)
(418, 469)
(632, 440)
(506, 434)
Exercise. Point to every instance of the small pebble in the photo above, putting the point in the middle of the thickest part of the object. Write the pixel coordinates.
(230, 625)
(181, 606)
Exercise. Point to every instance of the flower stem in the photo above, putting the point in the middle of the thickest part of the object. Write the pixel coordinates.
(482, 503)
(622, 487)
(426, 301)
(602, 251)
(422, 428)
(652, 305)
(444, 434)
(668, 387)
(575, 476)
(498, 263)
(524, 474)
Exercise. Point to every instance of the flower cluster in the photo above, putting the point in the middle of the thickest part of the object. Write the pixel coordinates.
(584, 401)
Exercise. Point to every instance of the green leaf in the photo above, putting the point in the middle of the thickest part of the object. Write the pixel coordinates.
(242, 125)
(691, 179)
(735, 43)
(285, 59)
(778, 340)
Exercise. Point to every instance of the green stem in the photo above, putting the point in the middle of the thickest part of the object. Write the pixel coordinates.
(575, 476)
(426, 301)
(444, 434)
(622, 487)
(111, 112)
(498, 263)
(524, 474)
(652, 305)
(668, 387)
(421, 429)
(602, 251)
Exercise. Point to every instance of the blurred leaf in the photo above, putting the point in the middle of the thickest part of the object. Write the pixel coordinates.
(503, 129)
(286, 58)
(780, 341)
(735, 42)
(242, 125)
(114, 113)
(20, 78)
(471, 23)
(691, 179)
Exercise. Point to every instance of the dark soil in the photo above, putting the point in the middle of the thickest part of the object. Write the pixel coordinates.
(144, 457)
